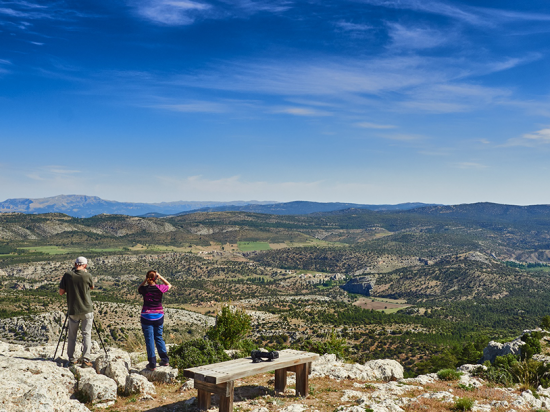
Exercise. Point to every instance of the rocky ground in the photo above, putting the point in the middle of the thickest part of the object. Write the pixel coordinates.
(31, 381)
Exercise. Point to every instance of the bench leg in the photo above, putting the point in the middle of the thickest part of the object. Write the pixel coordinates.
(280, 380)
(226, 403)
(204, 399)
(302, 380)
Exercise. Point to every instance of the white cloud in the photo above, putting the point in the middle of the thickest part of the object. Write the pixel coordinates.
(353, 27)
(402, 137)
(170, 12)
(271, 6)
(534, 139)
(479, 16)
(302, 111)
(469, 165)
(542, 136)
(433, 7)
(368, 125)
(416, 37)
(194, 107)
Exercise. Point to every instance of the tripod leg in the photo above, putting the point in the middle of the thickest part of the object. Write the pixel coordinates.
(101, 340)
(65, 340)
(60, 335)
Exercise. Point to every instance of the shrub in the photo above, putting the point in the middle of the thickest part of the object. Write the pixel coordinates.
(531, 373)
(545, 322)
(332, 344)
(464, 404)
(196, 352)
(532, 345)
(449, 375)
(231, 326)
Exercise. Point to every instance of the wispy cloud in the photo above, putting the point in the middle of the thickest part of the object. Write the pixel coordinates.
(479, 16)
(411, 83)
(170, 12)
(356, 29)
(433, 7)
(404, 37)
(402, 137)
(195, 107)
(469, 165)
(3, 65)
(201, 187)
(538, 138)
(49, 173)
(185, 12)
(302, 111)
(368, 125)
(271, 6)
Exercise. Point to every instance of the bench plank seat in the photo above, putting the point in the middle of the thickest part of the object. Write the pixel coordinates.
(219, 378)
(242, 368)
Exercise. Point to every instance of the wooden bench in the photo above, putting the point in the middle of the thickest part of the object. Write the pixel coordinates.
(219, 378)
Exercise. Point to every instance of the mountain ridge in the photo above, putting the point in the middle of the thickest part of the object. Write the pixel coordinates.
(87, 206)
(83, 206)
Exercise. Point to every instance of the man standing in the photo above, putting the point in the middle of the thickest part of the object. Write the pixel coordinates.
(77, 285)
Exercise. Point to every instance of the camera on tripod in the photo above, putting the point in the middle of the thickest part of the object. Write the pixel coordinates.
(259, 356)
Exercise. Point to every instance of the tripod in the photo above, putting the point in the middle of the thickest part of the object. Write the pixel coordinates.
(65, 328)
(61, 334)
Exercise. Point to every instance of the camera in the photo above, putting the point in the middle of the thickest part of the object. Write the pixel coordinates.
(258, 356)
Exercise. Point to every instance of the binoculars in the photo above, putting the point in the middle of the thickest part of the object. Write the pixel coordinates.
(258, 356)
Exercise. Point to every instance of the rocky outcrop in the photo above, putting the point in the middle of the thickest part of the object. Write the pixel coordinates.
(31, 381)
(361, 285)
(136, 383)
(36, 329)
(95, 388)
(494, 349)
(163, 374)
(385, 370)
(34, 385)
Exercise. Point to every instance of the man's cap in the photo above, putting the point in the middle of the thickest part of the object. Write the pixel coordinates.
(81, 261)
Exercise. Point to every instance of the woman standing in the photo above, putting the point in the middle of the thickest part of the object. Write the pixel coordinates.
(152, 317)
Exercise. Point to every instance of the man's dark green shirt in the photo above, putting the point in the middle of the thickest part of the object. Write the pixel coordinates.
(77, 285)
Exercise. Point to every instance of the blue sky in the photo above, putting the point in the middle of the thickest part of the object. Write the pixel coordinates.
(367, 101)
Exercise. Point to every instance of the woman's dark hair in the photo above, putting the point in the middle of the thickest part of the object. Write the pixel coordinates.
(151, 277)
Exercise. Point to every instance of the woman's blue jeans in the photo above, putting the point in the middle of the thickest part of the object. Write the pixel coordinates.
(152, 331)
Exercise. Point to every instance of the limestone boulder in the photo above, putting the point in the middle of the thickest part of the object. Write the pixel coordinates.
(329, 365)
(95, 388)
(385, 369)
(163, 374)
(114, 355)
(30, 385)
(136, 383)
(494, 349)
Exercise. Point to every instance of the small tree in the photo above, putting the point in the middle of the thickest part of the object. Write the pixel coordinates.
(231, 326)
(545, 323)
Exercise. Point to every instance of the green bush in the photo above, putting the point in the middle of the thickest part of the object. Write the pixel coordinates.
(508, 370)
(545, 322)
(532, 345)
(231, 326)
(332, 344)
(464, 404)
(449, 375)
(196, 352)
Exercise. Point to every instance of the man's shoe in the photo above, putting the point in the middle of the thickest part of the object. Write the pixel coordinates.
(87, 364)
(164, 363)
(150, 367)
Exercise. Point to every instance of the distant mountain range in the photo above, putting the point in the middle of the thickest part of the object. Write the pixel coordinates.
(87, 206)
(303, 208)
